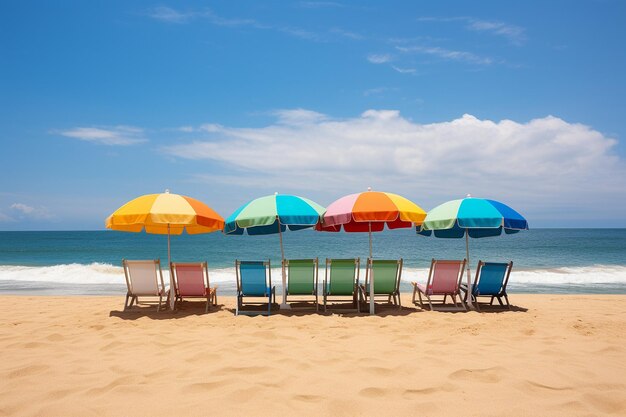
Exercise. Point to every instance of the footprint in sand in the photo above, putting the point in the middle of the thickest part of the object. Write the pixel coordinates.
(380, 371)
(27, 371)
(540, 386)
(373, 392)
(487, 375)
(417, 392)
(307, 398)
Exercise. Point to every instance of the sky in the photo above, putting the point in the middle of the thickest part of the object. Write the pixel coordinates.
(521, 102)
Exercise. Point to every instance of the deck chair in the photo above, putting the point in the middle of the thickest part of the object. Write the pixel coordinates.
(490, 281)
(144, 279)
(444, 279)
(254, 280)
(301, 279)
(387, 275)
(341, 280)
(191, 280)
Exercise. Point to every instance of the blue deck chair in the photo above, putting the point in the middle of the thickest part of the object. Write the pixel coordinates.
(254, 280)
(490, 281)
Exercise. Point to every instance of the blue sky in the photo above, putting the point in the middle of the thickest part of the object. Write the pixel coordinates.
(102, 102)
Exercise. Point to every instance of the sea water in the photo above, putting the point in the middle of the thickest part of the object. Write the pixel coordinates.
(89, 262)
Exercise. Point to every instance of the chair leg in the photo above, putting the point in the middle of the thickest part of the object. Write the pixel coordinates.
(208, 303)
(507, 301)
(325, 296)
(429, 302)
(159, 306)
(419, 294)
(126, 306)
(399, 302)
(444, 298)
(414, 291)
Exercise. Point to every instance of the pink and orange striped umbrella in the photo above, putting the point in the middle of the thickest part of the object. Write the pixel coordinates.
(371, 211)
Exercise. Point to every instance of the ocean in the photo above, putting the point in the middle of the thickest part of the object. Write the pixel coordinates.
(89, 262)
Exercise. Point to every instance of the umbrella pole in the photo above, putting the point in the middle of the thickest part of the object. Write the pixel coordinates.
(372, 308)
(169, 263)
(284, 304)
(469, 275)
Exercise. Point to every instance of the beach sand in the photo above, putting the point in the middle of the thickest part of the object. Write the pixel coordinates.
(82, 356)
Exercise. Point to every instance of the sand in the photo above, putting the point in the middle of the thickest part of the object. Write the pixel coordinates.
(553, 355)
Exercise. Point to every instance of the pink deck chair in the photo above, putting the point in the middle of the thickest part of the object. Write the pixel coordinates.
(444, 279)
(191, 280)
(143, 279)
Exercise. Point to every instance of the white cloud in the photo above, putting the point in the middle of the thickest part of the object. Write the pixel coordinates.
(546, 162)
(167, 14)
(377, 91)
(112, 136)
(515, 34)
(170, 15)
(348, 34)
(26, 211)
(447, 54)
(378, 58)
(5, 218)
(404, 70)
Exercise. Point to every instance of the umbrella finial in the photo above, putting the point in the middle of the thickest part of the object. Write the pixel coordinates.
(468, 196)
(369, 188)
(275, 192)
(167, 191)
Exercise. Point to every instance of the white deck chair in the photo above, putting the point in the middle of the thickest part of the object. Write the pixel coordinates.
(144, 279)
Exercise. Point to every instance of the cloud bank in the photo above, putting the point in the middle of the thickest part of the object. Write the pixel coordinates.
(545, 162)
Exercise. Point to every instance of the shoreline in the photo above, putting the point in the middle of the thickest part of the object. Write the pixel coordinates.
(554, 355)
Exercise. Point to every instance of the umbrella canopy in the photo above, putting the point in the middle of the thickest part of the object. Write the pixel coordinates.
(472, 217)
(274, 214)
(369, 212)
(165, 213)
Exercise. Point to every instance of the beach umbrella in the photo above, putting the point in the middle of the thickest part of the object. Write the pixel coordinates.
(274, 214)
(165, 213)
(472, 217)
(369, 212)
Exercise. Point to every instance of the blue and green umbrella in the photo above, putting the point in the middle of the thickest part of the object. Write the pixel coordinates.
(472, 217)
(274, 214)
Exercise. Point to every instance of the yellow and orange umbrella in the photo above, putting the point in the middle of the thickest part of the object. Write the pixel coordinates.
(165, 213)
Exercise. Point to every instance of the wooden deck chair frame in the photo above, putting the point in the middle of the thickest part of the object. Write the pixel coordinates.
(133, 293)
(338, 298)
(210, 293)
(499, 295)
(314, 292)
(269, 296)
(395, 294)
(431, 275)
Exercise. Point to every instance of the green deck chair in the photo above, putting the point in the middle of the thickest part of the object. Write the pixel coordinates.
(302, 279)
(341, 281)
(387, 274)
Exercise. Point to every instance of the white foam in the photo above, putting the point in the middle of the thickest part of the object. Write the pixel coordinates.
(98, 273)
(595, 274)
